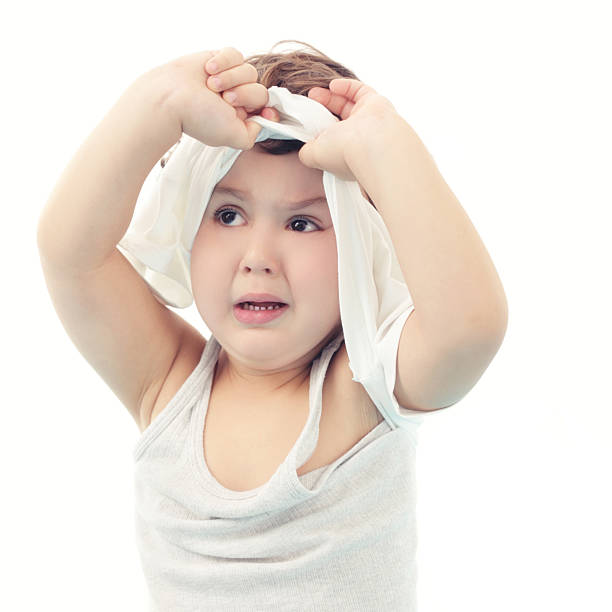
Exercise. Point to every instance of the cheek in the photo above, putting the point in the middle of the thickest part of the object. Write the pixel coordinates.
(205, 268)
(315, 268)
(330, 271)
(198, 257)
(207, 244)
(328, 258)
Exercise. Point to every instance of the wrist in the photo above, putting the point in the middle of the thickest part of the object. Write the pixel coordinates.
(154, 93)
(375, 141)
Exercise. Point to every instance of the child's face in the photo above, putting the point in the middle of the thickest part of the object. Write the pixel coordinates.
(259, 244)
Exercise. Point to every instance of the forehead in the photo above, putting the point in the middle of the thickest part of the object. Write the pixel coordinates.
(257, 172)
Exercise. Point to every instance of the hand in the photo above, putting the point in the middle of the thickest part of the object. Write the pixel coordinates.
(362, 112)
(205, 109)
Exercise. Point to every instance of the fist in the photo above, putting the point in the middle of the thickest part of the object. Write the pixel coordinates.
(213, 94)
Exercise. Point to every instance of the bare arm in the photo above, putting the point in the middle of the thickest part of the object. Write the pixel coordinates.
(460, 308)
(92, 204)
(461, 311)
(107, 309)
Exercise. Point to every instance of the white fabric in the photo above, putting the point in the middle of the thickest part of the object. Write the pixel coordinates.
(374, 299)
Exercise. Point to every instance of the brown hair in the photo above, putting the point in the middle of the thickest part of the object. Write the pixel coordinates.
(298, 71)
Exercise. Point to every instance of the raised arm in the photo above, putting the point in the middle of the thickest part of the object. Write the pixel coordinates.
(107, 309)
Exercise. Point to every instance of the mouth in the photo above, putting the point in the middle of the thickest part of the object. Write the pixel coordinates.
(254, 313)
(257, 306)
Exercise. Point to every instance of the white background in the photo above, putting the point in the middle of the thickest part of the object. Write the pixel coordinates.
(513, 101)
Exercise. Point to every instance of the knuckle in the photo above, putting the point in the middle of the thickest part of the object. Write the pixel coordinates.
(231, 97)
(246, 73)
(223, 54)
(254, 74)
(236, 56)
(216, 54)
(254, 94)
(215, 82)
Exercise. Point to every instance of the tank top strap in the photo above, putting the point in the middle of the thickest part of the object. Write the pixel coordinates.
(310, 435)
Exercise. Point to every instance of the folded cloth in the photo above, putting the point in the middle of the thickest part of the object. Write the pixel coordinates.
(374, 298)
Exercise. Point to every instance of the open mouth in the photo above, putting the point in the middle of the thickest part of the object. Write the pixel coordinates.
(257, 313)
(257, 306)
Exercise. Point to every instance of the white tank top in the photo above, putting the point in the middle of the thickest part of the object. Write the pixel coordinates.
(341, 537)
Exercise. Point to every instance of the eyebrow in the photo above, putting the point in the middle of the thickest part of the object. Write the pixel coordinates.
(240, 195)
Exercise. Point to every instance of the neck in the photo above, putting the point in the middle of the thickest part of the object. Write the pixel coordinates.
(254, 383)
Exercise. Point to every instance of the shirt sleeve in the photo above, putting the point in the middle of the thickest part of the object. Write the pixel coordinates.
(388, 347)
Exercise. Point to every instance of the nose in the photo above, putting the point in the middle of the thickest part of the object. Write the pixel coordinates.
(258, 267)
(260, 254)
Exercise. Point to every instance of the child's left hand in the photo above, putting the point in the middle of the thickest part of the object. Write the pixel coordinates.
(363, 113)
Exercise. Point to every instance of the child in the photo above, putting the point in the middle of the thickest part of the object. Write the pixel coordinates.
(266, 478)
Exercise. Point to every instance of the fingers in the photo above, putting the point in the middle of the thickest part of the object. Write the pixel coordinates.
(267, 112)
(237, 75)
(251, 96)
(253, 129)
(241, 113)
(226, 69)
(352, 89)
(270, 113)
(236, 81)
(337, 103)
(342, 95)
(223, 59)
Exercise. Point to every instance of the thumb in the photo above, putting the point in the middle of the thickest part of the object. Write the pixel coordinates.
(253, 128)
(307, 154)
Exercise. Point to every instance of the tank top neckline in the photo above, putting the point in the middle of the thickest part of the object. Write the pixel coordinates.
(308, 436)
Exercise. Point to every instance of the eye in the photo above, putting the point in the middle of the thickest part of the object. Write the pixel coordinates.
(225, 211)
(221, 215)
(303, 220)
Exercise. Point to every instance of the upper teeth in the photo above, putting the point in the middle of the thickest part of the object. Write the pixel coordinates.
(247, 306)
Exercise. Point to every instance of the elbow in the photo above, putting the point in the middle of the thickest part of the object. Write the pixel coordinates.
(488, 325)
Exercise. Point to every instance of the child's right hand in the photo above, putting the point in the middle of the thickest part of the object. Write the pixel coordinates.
(203, 107)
